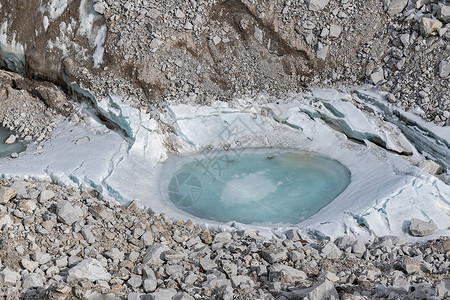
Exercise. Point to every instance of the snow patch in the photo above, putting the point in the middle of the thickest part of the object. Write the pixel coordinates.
(99, 46)
(56, 8)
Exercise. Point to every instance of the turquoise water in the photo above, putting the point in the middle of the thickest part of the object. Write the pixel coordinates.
(7, 150)
(277, 187)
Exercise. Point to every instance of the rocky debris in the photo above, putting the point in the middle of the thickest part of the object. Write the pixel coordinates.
(23, 112)
(101, 251)
(195, 52)
(421, 228)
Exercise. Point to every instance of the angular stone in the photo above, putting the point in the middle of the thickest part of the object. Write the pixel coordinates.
(183, 296)
(174, 255)
(335, 31)
(316, 5)
(377, 76)
(115, 254)
(331, 251)
(9, 277)
(207, 264)
(206, 237)
(274, 254)
(67, 213)
(359, 248)
(444, 68)
(444, 13)
(31, 280)
(324, 290)
(286, 274)
(149, 285)
(19, 186)
(147, 238)
(29, 264)
(164, 294)
(6, 220)
(421, 228)
(41, 257)
(153, 13)
(179, 14)
(89, 269)
(155, 254)
(6, 194)
(27, 205)
(46, 195)
(428, 26)
(293, 235)
(148, 273)
(135, 281)
(408, 265)
(393, 7)
(443, 288)
(322, 53)
(222, 237)
(237, 280)
(174, 269)
(88, 236)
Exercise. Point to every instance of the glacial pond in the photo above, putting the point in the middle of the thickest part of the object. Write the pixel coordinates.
(253, 186)
(7, 150)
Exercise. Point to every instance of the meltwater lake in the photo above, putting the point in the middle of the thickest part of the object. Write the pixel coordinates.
(255, 186)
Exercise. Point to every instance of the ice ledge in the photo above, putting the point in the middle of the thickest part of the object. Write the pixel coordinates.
(386, 190)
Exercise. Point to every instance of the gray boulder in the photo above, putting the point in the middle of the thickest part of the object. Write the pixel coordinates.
(316, 5)
(421, 228)
(31, 280)
(393, 7)
(155, 254)
(89, 269)
(444, 13)
(6, 194)
(67, 213)
(324, 290)
(331, 251)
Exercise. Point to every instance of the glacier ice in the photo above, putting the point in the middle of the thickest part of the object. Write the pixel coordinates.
(386, 188)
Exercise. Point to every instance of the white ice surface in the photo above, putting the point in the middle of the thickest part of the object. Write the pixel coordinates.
(56, 8)
(386, 191)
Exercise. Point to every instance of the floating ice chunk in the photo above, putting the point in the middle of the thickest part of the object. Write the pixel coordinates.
(249, 188)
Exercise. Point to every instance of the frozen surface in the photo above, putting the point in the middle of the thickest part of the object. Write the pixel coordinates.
(386, 188)
(253, 186)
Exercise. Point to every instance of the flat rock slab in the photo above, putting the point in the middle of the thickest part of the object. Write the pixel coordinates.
(89, 269)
